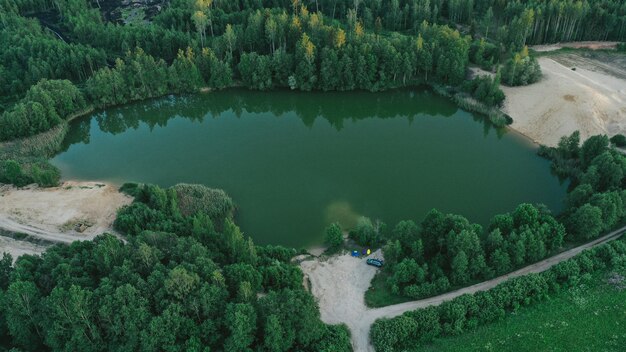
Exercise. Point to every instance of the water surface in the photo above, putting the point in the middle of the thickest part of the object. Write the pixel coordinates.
(294, 162)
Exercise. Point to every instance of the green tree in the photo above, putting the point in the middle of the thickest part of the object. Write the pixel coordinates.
(334, 236)
(241, 322)
(586, 222)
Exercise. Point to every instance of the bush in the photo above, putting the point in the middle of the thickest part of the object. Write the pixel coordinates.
(485, 89)
(334, 236)
(198, 198)
(367, 233)
(22, 173)
(521, 70)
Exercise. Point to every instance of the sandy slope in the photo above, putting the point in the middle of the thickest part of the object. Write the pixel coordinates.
(17, 248)
(339, 285)
(564, 101)
(52, 213)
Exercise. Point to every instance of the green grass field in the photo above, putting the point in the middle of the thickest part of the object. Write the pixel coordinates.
(590, 317)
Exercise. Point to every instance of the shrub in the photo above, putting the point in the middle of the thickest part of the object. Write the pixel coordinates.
(485, 89)
(22, 173)
(521, 70)
(334, 236)
(198, 198)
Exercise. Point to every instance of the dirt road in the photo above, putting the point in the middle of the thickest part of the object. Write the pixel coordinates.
(339, 284)
(73, 211)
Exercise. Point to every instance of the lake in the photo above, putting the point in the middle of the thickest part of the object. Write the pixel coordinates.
(294, 162)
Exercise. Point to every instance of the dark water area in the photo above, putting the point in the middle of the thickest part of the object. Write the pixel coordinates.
(294, 162)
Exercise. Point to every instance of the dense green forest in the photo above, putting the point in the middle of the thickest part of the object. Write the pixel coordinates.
(185, 279)
(322, 44)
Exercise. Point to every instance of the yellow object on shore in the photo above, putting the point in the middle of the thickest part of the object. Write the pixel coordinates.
(368, 251)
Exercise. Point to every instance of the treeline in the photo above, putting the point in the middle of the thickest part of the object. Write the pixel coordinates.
(46, 104)
(597, 172)
(468, 312)
(448, 251)
(191, 291)
(139, 76)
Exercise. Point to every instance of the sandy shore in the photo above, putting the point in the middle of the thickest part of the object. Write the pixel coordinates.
(56, 214)
(590, 101)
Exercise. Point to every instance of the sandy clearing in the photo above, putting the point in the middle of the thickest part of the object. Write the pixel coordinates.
(339, 284)
(565, 101)
(589, 45)
(17, 248)
(52, 213)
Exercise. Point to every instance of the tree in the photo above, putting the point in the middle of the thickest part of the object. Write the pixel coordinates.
(305, 69)
(593, 147)
(22, 307)
(201, 21)
(241, 322)
(230, 38)
(334, 236)
(180, 282)
(586, 222)
(274, 339)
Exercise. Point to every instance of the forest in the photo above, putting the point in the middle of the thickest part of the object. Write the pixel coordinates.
(322, 44)
(185, 278)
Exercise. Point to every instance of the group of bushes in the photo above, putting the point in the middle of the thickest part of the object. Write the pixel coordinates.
(26, 172)
(597, 198)
(521, 69)
(467, 312)
(447, 250)
(485, 89)
(45, 105)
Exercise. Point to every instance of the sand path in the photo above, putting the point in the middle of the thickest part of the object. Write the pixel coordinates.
(339, 285)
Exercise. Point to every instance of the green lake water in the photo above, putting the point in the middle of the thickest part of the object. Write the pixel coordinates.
(295, 162)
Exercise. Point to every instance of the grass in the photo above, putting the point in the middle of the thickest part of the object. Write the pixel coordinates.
(379, 294)
(588, 317)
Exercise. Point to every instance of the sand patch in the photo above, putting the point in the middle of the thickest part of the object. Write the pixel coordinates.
(72, 211)
(564, 101)
(17, 248)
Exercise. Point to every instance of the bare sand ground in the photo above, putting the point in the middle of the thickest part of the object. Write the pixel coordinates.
(54, 213)
(589, 45)
(339, 284)
(17, 248)
(588, 99)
